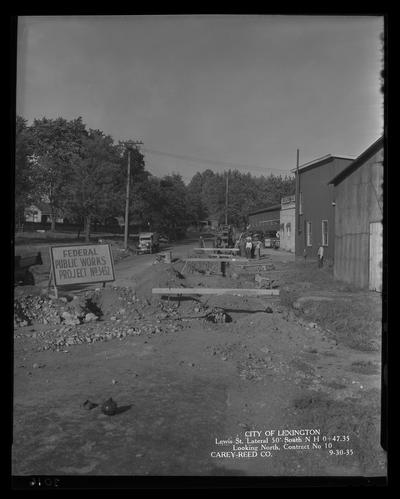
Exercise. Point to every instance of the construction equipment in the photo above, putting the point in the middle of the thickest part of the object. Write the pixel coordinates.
(225, 235)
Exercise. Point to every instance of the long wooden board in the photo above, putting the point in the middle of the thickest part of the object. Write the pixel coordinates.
(216, 249)
(216, 259)
(214, 291)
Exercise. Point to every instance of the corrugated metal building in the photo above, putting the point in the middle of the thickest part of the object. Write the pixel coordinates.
(266, 219)
(315, 213)
(287, 223)
(358, 220)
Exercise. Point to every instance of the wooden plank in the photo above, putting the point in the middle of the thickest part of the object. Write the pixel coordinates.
(214, 291)
(213, 257)
(222, 259)
(268, 271)
(216, 249)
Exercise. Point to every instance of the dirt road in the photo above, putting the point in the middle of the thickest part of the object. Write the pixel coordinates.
(195, 396)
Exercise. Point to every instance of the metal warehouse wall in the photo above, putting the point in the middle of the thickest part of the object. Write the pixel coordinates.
(317, 198)
(359, 199)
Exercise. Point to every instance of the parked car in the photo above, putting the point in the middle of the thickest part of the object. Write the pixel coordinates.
(271, 240)
(149, 242)
(268, 242)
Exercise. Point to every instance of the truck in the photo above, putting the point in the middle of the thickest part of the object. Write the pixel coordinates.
(149, 242)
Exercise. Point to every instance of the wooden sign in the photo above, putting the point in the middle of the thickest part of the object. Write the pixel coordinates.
(81, 264)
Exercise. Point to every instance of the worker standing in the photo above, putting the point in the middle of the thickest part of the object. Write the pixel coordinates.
(253, 248)
(258, 249)
(320, 256)
(249, 246)
(223, 264)
(242, 245)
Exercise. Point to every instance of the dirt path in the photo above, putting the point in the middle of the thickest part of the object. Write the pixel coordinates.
(181, 392)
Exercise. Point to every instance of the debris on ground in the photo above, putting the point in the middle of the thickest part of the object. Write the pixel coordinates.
(265, 282)
(109, 407)
(88, 405)
(218, 316)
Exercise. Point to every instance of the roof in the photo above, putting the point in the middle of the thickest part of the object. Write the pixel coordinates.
(362, 158)
(42, 206)
(319, 161)
(288, 199)
(146, 234)
(274, 207)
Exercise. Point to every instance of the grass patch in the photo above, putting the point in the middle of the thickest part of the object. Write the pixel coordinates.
(353, 323)
(359, 420)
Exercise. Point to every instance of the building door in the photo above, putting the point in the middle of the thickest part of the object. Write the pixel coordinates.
(375, 256)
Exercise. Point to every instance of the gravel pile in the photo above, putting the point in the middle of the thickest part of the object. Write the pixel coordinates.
(29, 310)
(35, 309)
(100, 315)
(58, 339)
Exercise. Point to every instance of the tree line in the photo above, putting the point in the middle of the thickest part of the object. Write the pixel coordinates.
(81, 174)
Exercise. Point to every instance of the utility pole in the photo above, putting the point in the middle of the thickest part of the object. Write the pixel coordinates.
(226, 197)
(129, 145)
(298, 200)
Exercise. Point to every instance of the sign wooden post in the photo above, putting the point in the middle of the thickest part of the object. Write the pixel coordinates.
(81, 264)
(51, 277)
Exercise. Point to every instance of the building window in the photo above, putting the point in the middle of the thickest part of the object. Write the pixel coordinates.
(300, 203)
(288, 229)
(309, 234)
(324, 232)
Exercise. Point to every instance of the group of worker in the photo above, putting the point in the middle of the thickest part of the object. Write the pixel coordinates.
(249, 248)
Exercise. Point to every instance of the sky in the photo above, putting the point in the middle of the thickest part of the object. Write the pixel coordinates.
(215, 91)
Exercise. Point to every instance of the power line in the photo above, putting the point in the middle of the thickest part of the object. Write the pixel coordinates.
(211, 162)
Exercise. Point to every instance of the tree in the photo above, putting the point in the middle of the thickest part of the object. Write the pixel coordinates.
(137, 186)
(57, 144)
(162, 203)
(147, 205)
(24, 181)
(197, 210)
(246, 193)
(89, 193)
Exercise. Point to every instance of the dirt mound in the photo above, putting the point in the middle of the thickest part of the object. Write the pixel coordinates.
(43, 309)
